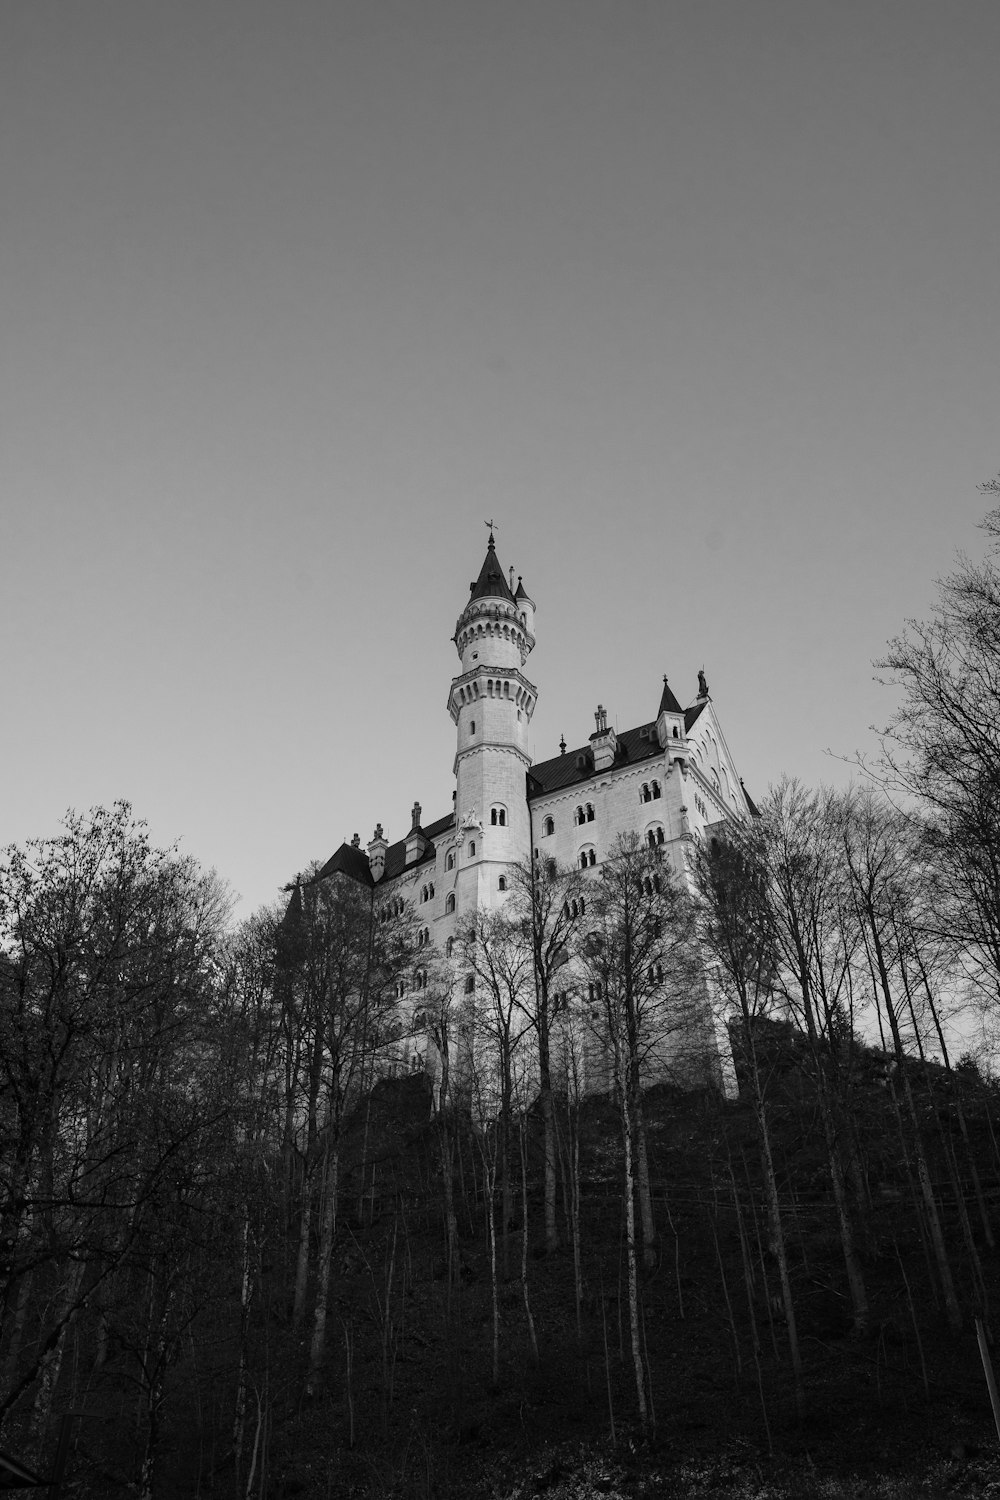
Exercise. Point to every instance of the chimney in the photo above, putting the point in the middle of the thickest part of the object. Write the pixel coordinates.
(377, 852)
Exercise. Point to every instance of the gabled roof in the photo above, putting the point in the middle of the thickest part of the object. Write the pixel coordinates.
(491, 584)
(668, 703)
(348, 860)
(633, 746)
(352, 861)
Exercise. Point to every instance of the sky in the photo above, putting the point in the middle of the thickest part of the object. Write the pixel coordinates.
(698, 301)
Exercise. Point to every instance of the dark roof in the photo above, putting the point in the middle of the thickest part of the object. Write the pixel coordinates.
(348, 860)
(521, 592)
(633, 745)
(491, 584)
(353, 862)
(751, 804)
(691, 714)
(668, 703)
(395, 855)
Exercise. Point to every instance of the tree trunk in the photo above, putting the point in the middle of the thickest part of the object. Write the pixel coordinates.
(328, 1232)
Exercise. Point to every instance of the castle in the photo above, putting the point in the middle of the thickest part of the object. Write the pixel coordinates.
(668, 780)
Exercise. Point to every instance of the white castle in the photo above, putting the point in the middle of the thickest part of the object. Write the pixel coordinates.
(667, 781)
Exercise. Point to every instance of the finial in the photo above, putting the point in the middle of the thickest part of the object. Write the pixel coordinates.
(356, 841)
(510, 578)
(562, 744)
(490, 525)
(378, 831)
(416, 816)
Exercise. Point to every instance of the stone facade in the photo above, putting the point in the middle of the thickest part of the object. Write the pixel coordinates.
(669, 780)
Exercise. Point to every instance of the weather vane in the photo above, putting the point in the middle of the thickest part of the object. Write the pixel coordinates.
(489, 524)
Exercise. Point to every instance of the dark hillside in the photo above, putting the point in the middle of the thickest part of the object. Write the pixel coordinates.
(407, 1405)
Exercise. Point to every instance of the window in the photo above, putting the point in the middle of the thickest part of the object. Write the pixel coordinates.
(583, 907)
(470, 983)
(655, 789)
(449, 863)
(548, 828)
(676, 733)
(472, 849)
(420, 979)
(449, 948)
(587, 858)
(502, 883)
(595, 991)
(656, 973)
(472, 727)
(498, 817)
(590, 812)
(655, 836)
(644, 794)
(449, 904)
(579, 816)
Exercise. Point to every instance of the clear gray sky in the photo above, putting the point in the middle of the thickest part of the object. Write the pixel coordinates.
(699, 300)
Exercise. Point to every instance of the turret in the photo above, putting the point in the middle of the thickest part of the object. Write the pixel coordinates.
(491, 702)
(670, 729)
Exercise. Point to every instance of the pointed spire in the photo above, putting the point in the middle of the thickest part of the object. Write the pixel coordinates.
(491, 584)
(668, 703)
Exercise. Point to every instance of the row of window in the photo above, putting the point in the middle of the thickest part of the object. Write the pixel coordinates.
(648, 792)
(574, 908)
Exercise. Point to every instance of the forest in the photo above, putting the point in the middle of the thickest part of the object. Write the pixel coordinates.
(304, 1206)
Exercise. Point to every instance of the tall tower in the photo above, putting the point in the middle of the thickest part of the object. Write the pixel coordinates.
(491, 702)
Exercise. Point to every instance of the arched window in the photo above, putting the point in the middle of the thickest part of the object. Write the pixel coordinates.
(472, 726)
(449, 903)
(587, 857)
(548, 827)
(470, 983)
(472, 849)
(449, 948)
(583, 859)
(449, 863)
(676, 733)
(502, 883)
(655, 789)
(590, 812)
(659, 835)
(579, 816)
(583, 907)
(644, 794)
(430, 891)
(498, 817)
